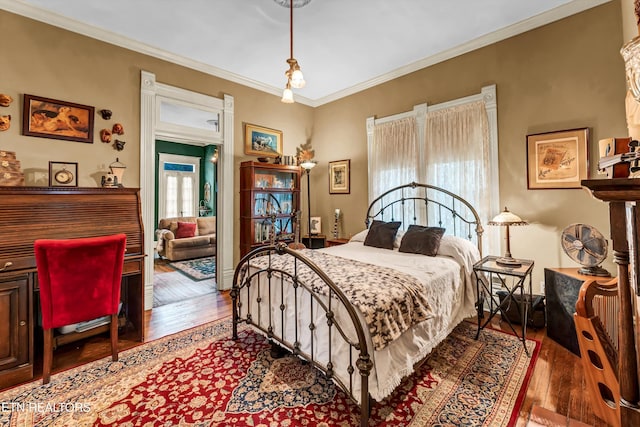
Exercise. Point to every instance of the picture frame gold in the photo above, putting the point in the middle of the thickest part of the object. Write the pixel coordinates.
(262, 141)
(557, 160)
(51, 118)
(340, 177)
(63, 174)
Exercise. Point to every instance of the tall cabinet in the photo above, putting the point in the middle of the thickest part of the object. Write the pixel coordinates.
(269, 200)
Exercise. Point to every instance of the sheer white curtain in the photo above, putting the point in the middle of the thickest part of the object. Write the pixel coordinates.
(393, 155)
(457, 150)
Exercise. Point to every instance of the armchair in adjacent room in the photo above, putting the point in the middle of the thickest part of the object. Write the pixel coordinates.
(79, 281)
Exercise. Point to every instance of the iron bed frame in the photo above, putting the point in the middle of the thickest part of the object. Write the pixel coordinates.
(444, 207)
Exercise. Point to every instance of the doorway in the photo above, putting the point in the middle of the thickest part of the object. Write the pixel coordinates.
(182, 116)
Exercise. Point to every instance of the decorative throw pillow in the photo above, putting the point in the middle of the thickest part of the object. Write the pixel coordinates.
(421, 240)
(382, 234)
(185, 229)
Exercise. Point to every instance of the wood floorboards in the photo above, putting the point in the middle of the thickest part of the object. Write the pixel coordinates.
(557, 384)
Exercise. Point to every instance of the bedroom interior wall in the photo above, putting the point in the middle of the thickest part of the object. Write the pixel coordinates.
(567, 74)
(54, 63)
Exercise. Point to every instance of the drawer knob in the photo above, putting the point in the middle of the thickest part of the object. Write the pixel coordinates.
(6, 265)
(22, 323)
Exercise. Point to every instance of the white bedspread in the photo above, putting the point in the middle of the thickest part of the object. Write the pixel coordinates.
(451, 293)
(451, 297)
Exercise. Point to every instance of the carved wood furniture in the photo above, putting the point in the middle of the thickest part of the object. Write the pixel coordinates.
(267, 189)
(623, 195)
(30, 213)
(299, 306)
(596, 325)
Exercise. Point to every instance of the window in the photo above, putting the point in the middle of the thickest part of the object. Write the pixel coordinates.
(451, 145)
(179, 183)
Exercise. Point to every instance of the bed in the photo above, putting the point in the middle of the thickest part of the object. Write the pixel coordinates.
(365, 315)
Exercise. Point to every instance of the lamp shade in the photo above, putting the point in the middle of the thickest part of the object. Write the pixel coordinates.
(507, 218)
(308, 164)
(287, 95)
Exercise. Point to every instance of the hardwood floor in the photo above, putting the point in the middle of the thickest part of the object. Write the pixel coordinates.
(557, 383)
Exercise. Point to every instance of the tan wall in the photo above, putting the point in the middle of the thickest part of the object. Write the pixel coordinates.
(568, 74)
(50, 62)
(565, 75)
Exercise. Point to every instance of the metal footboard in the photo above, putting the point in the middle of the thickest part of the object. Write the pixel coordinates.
(267, 298)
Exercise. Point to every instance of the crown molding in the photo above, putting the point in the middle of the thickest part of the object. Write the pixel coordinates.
(19, 7)
(560, 12)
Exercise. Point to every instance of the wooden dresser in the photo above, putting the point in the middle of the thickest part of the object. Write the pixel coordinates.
(30, 213)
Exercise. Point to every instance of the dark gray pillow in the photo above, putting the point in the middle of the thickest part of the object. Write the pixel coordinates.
(382, 234)
(421, 240)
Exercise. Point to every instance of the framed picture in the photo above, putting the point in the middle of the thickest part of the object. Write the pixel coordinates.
(557, 159)
(316, 225)
(50, 118)
(63, 174)
(339, 177)
(261, 141)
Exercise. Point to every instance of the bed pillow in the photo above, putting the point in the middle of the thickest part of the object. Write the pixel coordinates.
(422, 240)
(185, 229)
(462, 250)
(359, 237)
(382, 234)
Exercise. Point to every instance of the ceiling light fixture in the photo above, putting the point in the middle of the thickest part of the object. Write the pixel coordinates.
(295, 79)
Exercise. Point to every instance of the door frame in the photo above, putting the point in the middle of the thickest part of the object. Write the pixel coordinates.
(178, 158)
(150, 130)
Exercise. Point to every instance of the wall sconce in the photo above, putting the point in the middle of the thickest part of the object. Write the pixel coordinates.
(214, 158)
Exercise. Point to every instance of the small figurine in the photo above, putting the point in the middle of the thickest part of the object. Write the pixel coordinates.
(5, 100)
(106, 114)
(5, 122)
(118, 129)
(105, 136)
(119, 145)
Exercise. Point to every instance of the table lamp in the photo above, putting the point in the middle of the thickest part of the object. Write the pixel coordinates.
(506, 218)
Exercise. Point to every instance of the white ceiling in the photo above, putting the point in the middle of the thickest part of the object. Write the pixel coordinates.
(343, 46)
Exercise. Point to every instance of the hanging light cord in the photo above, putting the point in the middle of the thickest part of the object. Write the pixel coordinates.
(291, 28)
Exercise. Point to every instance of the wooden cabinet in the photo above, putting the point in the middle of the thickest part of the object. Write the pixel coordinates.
(269, 200)
(30, 213)
(337, 241)
(16, 329)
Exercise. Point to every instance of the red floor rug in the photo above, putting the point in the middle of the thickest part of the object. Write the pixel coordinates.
(201, 377)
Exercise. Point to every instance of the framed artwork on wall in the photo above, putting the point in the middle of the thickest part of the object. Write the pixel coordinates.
(262, 141)
(316, 225)
(63, 174)
(340, 177)
(557, 159)
(50, 118)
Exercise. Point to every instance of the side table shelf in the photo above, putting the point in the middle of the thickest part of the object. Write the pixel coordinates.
(486, 272)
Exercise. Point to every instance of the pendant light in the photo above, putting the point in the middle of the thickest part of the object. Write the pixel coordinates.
(295, 79)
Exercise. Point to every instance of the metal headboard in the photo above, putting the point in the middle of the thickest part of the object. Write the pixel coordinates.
(428, 205)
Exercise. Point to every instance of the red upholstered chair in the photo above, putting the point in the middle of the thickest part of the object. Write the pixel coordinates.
(79, 281)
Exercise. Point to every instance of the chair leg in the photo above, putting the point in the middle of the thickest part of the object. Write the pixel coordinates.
(114, 337)
(47, 359)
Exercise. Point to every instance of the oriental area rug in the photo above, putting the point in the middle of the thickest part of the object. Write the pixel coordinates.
(196, 269)
(201, 377)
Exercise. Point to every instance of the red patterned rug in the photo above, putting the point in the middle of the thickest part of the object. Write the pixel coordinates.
(201, 377)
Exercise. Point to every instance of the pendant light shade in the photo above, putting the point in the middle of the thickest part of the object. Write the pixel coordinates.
(295, 79)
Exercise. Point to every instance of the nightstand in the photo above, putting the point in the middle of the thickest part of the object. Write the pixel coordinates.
(316, 241)
(336, 242)
(513, 280)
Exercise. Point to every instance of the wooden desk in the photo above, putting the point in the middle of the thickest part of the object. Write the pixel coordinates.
(30, 213)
